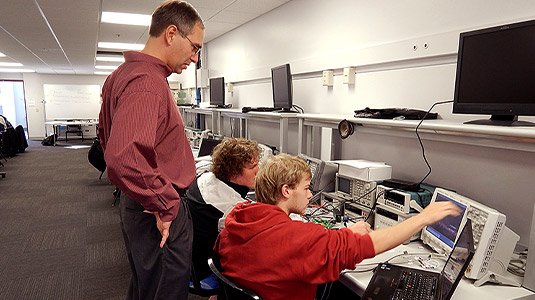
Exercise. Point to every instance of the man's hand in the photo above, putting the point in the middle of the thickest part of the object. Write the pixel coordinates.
(163, 227)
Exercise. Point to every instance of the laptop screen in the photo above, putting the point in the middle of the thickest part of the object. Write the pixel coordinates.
(457, 262)
(207, 146)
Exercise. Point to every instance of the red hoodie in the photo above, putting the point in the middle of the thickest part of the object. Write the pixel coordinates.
(264, 250)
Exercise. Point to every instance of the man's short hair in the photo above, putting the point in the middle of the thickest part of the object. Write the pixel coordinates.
(277, 171)
(173, 12)
(231, 156)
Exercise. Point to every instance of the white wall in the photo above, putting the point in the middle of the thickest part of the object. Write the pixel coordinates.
(33, 87)
(377, 37)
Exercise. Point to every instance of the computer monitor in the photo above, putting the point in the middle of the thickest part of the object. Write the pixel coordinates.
(217, 91)
(494, 68)
(207, 146)
(281, 82)
(323, 174)
(442, 235)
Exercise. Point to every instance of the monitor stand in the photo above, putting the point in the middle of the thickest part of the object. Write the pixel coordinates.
(286, 110)
(501, 120)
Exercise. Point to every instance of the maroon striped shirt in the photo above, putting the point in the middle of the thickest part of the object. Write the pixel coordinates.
(142, 133)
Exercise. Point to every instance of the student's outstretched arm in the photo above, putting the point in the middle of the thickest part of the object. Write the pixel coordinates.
(388, 238)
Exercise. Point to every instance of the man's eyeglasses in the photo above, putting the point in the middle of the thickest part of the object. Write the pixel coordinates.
(195, 48)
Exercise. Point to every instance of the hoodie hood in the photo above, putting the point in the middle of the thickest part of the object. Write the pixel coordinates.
(248, 219)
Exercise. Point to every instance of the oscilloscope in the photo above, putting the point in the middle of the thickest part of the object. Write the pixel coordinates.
(494, 242)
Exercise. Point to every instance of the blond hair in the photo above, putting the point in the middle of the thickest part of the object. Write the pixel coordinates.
(277, 171)
(232, 155)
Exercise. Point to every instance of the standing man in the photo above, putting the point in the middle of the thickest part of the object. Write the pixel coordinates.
(148, 155)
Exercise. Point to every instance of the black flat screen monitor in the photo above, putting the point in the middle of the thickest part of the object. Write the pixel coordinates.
(281, 81)
(495, 68)
(217, 91)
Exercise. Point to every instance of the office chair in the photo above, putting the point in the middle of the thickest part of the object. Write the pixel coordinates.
(77, 129)
(197, 289)
(229, 290)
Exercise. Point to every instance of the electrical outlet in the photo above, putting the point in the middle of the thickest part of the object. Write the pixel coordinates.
(349, 75)
(328, 78)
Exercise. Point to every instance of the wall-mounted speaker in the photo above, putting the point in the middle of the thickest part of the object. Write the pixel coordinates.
(345, 128)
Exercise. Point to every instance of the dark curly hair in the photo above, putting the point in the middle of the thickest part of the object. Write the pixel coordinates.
(231, 155)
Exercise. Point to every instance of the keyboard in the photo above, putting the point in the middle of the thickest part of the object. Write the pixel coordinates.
(248, 109)
(415, 285)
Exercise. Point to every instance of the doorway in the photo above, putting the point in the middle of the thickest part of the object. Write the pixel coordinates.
(13, 103)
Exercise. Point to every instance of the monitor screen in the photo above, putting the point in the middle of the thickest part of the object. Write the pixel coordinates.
(281, 82)
(443, 234)
(344, 185)
(217, 91)
(457, 262)
(207, 146)
(492, 74)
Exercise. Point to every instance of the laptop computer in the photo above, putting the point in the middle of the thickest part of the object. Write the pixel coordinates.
(207, 146)
(396, 282)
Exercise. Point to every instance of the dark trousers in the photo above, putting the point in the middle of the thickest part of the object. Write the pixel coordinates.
(157, 273)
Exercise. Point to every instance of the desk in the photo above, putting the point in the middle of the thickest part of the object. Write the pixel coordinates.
(56, 125)
(357, 282)
(217, 114)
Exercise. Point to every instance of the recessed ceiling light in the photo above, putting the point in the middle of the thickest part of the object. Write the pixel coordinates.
(101, 73)
(125, 18)
(3, 70)
(106, 67)
(10, 64)
(107, 58)
(125, 46)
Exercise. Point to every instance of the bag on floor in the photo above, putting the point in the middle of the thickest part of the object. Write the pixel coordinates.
(49, 140)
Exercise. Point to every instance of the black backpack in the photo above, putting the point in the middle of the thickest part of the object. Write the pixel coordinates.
(49, 140)
(96, 156)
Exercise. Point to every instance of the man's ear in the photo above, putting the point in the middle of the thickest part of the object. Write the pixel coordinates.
(171, 33)
(285, 191)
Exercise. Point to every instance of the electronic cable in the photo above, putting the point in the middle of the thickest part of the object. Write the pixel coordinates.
(420, 140)
(372, 210)
(411, 256)
(298, 108)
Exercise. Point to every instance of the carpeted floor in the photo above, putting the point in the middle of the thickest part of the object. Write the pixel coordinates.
(60, 237)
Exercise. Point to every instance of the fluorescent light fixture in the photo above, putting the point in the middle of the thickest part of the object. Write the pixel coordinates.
(125, 18)
(106, 67)
(2, 54)
(125, 46)
(4, 70)
(10, 64)
(109, 58)
(102, 72)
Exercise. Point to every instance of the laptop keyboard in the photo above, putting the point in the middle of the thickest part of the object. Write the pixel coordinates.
(415, 285)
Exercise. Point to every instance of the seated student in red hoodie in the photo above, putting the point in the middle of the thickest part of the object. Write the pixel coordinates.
(264, 250)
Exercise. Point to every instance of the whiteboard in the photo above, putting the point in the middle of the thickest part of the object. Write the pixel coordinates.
(71, 101)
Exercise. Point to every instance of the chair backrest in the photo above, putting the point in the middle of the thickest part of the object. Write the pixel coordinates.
(227, 288)
(74, 127)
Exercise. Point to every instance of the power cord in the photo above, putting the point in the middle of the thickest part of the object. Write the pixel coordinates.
(420, 140)
(372, 210)
(298, 108)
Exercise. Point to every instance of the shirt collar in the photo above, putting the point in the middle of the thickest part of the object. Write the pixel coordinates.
(136, 56)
